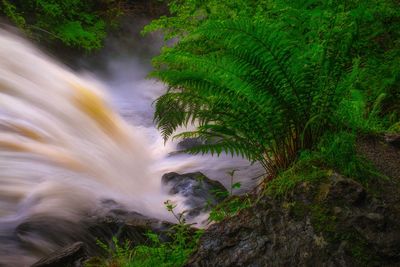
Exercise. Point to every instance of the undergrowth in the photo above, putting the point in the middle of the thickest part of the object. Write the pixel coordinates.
(229, 208)
(335, 153)
(75, 23)
(181, 240)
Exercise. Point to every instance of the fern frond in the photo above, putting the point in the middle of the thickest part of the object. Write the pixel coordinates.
(258, 94)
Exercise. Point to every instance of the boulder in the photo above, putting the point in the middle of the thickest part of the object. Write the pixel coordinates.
(393, 140)
(123, 224)
(69, 256)
(49, 237)
(200, 192)
(334, 222)
(188, 143)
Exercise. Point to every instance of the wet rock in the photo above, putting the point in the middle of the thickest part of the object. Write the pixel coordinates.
(188, 143)
(200, 192)
(117, 221)
(346, 190)
(257, 237)
(345, 227)
(383, 152)
(57, 232)
(375, 217)
(393, 139)
(110, 220)
(70, 256)
(337, 210)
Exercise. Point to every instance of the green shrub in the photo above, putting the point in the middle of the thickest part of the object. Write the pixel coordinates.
(335, 152)
(262, 94)
(309, 168)
(229, 208)
(338, 151)
(268, 79)
(80, 24)
(182, 240)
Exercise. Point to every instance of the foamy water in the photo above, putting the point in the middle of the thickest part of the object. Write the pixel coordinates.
(63, 148)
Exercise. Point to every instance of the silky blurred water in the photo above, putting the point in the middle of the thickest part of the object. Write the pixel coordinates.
(70, 139)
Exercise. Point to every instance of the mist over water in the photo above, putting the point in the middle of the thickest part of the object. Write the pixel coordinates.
(123, 67)
(70, 140)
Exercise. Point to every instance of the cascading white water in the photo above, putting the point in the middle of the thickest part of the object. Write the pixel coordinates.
(63, 150)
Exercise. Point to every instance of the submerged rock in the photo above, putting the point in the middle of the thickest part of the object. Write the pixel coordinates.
(189, 143)
(73, 255)
(50, 238)
(201, 193)
(124, 225)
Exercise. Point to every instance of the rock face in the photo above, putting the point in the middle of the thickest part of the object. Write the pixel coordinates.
(383, 152)
(332, 223)
(393, 139)
(201, 193)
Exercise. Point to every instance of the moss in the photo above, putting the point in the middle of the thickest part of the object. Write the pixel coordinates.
(323, 191)
(322, 220)
(230, 207)
(331, 228)
(304, 189)
(358, 248)
(298, 210)
(306, 170)
(326, 223)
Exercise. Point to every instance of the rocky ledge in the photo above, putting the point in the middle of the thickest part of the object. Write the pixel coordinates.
(334, 222)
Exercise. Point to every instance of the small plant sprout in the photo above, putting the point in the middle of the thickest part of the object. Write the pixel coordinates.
(236, 185)
(180, 217)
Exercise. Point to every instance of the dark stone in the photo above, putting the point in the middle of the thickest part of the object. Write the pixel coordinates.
(201, 193)
(393, 139)
(346, 190)
(110, 220)
(189, 143)
(383, 153)
(125, 225)
(59, 232)
(70, 256)
(341, 225)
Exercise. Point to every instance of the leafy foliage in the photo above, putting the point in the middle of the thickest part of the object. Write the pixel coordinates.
(258, 96)
(182, 240)
(268, 86)
(309, 168)
(76, 23)
(229, 208)
(186, 16)
(335, 152)
(338, 151)
(231, 205)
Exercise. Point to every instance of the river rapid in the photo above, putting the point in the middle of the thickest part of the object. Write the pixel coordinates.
(71, 137)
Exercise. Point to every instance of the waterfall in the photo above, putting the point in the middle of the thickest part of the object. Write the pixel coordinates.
(65, 149)
(62, 148)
